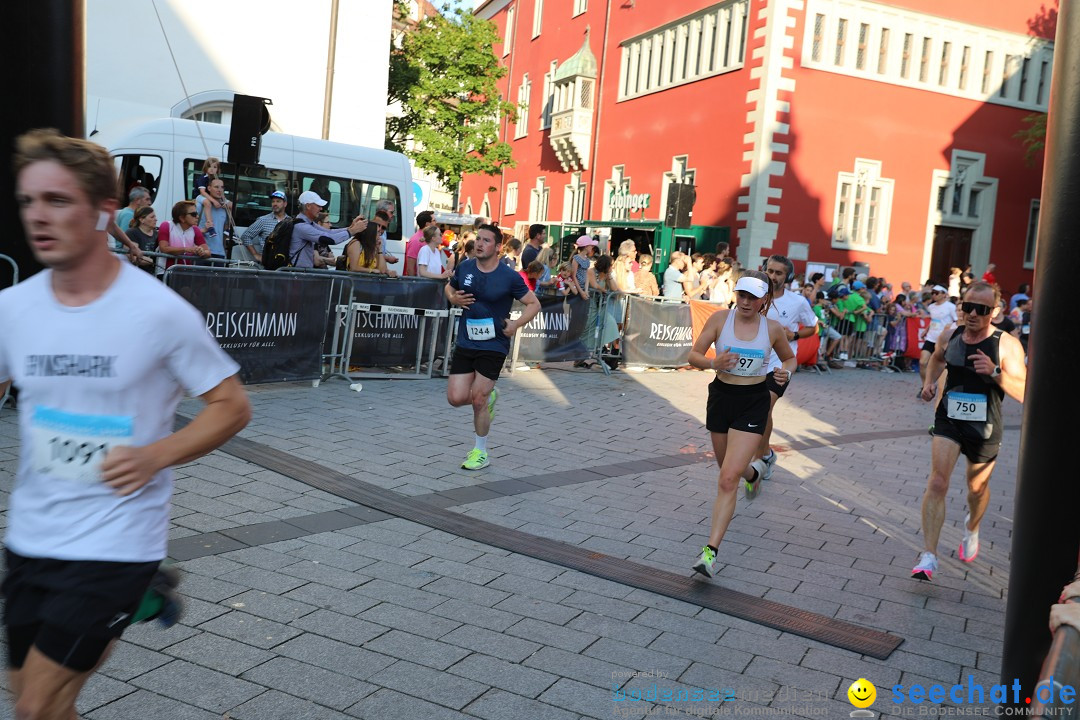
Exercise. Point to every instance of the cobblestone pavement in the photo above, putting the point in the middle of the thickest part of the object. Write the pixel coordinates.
(300, 604)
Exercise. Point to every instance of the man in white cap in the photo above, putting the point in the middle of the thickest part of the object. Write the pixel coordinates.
(307, 232)
(941, 313)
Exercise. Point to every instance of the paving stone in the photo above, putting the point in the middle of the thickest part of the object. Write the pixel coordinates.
(328, 598)
(467, 591)
(388, 704)
(218, 653)
(555, 635)
(309, 682)
(508, 676)
(325, 554)
(498, 705)
(340, 627)
(250, 629)
(100, 690)
(143, 704)
(638, 658)
(128, 660)
(155, 637)
(198, 686)
(314, 571)
(428, 624)
(467, 612)
(273, 705)
(416, 681)
(201, 545)
(532, 588)
(417, 649)
(260, 558)
(603, 605)
(336, 656)
(400, 595)
(491, 643)
(269, 606)
(265, 580)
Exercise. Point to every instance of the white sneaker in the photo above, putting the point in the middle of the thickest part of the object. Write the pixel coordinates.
(969, 546)
(770, 461)
(752, 488)
(926, 568)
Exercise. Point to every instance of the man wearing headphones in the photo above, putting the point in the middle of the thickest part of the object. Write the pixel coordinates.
(794, 313)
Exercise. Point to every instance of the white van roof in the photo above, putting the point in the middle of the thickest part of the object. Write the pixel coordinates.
(311, 154)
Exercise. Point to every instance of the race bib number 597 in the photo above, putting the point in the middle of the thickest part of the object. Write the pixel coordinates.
(72, 446)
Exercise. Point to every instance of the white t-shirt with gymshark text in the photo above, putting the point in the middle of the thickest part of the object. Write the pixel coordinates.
(91, 378)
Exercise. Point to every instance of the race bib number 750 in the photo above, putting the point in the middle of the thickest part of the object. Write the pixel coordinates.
(72, 446)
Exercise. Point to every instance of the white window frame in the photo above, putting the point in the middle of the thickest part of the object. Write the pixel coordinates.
(508, 31)
(580, 6)
(1034, 217)
(538, 201)
(574, 199)
(618, 182)
(521, 128)
(705, 44)
(852, 215)
(538, 17)
(995, 71)
(511, 199)
(549, 96)
(485, 209)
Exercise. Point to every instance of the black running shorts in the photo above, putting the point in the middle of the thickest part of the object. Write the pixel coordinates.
(974, 447)
(737, 407)
(70, 610)
(774, 387)
(929, 347)
(486, 362)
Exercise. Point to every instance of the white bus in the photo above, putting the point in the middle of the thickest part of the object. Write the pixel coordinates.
(166, 157)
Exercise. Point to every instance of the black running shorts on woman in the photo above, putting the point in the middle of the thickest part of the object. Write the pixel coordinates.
(70, 610)
(737, 407)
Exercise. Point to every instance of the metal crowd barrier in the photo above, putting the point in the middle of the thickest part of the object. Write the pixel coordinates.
(14, 281)
(160, 259)
(869, 341)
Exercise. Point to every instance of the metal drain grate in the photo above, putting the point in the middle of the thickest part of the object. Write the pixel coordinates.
(830, 631)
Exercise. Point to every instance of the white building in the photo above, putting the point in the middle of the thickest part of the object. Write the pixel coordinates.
(276, 49)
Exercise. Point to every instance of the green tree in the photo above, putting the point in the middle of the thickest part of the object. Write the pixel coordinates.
(1033, 136)
(444, 77)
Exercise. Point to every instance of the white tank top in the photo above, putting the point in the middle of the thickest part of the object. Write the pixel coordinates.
(753, 354)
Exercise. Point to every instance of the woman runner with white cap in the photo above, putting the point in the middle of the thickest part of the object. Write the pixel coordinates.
(738, 405)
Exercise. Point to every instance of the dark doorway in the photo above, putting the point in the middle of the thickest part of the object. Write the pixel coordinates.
(952, 248)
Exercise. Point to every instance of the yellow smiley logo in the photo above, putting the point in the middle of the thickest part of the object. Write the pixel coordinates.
(862, 693)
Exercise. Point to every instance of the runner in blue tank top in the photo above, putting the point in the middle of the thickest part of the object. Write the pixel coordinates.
(738, 405)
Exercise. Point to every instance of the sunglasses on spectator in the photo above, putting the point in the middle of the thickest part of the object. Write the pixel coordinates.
(193, 214)
(977, 308)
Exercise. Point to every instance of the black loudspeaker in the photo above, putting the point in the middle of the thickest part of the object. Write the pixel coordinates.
(250, 119)
(680, 205)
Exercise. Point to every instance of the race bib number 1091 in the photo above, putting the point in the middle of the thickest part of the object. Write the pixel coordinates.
(72, 446)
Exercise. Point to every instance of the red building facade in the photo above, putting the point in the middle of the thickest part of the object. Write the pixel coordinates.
(836, 132)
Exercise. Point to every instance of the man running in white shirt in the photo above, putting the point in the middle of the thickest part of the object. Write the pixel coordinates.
(795, 315)
(102, 354)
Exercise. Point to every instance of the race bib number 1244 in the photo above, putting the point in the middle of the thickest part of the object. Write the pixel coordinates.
(72, 446)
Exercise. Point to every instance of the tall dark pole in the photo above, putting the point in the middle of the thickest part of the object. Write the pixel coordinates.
(42, 44)
(1046, 521)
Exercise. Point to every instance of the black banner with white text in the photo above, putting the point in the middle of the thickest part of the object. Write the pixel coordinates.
(387, 339)
(556, 333)
(272, 324)
(657, 334)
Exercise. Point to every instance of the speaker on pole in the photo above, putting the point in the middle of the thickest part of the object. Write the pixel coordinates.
(680, 205)
(250, 119)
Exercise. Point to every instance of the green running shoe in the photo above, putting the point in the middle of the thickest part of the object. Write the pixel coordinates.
(477, 459)
(705, 562)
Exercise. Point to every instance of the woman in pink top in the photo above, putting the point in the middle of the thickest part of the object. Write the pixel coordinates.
(181, 237)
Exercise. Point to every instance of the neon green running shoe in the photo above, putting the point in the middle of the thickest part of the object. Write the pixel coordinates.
(477, 459)
(705, 562)
(492, 399)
